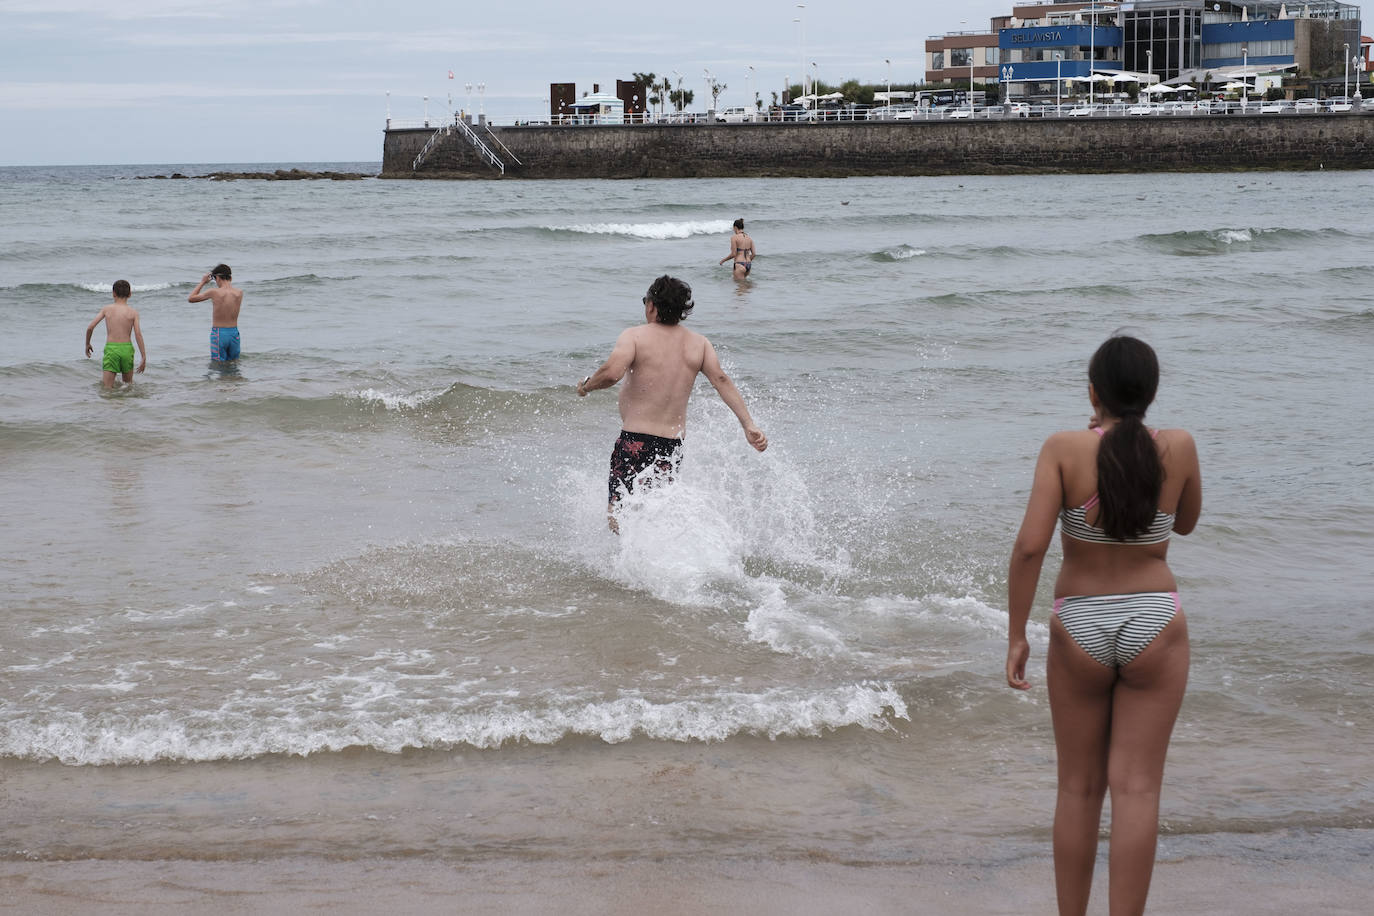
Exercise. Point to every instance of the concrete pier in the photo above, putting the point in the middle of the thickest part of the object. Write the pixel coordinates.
(1102, 144)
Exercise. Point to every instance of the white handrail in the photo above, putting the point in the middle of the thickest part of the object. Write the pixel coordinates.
(481, 147)
(441, 132)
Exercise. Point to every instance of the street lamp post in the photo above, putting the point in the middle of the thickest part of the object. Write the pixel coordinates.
(749, 92)
(801, 42)
(1149, 65)
(1345, 89)
(710, 106)
(467, 111)
(815, 81)
(1358, 62)
(963, 27)
(888, 61)
(1058, 81)
(679, 89)
(1245, 76)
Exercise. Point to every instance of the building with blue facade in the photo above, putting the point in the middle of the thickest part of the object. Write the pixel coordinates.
(1044, 49)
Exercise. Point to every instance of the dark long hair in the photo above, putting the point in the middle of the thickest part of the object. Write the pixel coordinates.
(1125, 374)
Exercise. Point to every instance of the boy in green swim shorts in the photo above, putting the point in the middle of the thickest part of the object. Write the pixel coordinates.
(121, 323)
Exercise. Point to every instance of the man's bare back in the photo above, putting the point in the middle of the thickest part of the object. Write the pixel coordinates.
(120, 318)
(225, 301)
(660, 360)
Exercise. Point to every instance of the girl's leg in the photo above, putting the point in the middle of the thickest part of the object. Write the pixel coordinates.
(1080, 692)
(1146, 703)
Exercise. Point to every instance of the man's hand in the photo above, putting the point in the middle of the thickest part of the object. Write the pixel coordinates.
(582, 387)
(88, 349)
(756, 437)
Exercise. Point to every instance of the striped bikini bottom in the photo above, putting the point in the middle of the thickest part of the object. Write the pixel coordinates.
(1114, 629)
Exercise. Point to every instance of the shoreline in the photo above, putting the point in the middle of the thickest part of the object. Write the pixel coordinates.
(1211, 885)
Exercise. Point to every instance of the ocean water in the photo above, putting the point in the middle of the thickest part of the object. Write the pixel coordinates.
(357, 598)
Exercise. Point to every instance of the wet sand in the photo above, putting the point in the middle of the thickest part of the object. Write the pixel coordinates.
(1214, 887)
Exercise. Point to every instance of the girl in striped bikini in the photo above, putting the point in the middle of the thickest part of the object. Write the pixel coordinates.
(1118, 654)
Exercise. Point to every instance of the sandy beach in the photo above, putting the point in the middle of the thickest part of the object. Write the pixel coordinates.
(292, 885)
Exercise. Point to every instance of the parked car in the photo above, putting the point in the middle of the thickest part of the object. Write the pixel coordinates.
(1143, 108)
(902, 111)
(795, 112)
(1016, 110)
(1083, 111)
(733, 115)
(1306, 106)
(1338, 103)
(963, 111)
(1277, 106)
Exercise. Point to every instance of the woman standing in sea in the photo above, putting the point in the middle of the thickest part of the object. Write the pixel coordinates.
(1118, 654)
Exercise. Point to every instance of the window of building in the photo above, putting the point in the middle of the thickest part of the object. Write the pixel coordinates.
(937, 60)
(960, 57)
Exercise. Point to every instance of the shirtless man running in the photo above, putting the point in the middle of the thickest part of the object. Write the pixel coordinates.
(660, 360)
(742, 250)
(225, 300)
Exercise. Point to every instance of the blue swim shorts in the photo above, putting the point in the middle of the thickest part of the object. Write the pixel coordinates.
(224, 344)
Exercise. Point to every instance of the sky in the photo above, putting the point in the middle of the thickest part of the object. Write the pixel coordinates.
(86, 82)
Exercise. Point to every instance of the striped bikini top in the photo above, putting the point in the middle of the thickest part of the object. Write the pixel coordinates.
(1074, 523)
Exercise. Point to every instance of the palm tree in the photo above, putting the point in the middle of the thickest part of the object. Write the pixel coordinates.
(645, 82)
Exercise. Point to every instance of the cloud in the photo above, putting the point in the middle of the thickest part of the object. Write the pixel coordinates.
(67, 96)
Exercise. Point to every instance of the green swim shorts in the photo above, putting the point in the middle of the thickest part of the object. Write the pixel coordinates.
(119, 357)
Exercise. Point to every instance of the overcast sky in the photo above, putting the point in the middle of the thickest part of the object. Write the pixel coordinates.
(186, 81)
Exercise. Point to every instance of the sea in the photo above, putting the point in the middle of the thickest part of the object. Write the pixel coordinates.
(355, 597)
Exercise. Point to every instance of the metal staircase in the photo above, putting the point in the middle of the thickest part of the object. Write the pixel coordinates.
(471, 135)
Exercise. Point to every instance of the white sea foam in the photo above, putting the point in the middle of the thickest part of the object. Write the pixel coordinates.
(903, 252)
(1232, 236)
(395, 401)
(677, 230)
(136, 287)
(375, 720)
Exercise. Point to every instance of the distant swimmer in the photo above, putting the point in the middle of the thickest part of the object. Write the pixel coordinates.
(660, 360)
(225, 301)
(121, 324)
(741, 250)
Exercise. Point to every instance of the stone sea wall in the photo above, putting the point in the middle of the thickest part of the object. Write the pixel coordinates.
(1118, 144)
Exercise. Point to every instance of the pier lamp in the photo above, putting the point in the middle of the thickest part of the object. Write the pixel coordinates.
(1244, 75)
(963, 27)
(426, 98)
(481, 100)
(468, 109)
(388, 109)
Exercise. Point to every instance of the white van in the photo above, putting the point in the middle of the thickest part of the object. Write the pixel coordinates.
(733, 116)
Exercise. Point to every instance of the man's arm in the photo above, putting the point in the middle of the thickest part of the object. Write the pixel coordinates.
(197, 295)
(90, 328)
(142, 350)
(710, 367)
(614, 368)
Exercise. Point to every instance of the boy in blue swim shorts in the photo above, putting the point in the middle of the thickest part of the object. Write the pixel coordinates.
(121, 324)
(225, 301)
